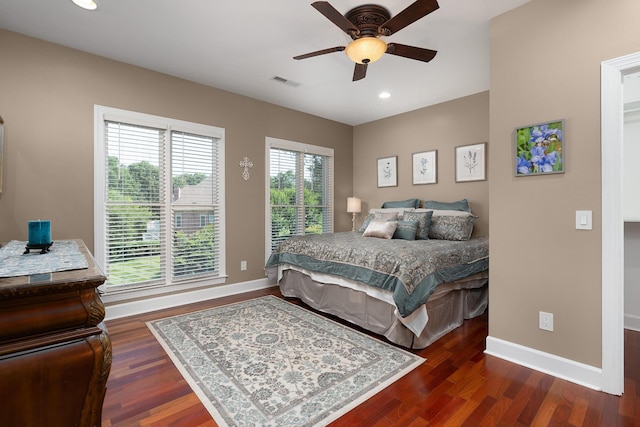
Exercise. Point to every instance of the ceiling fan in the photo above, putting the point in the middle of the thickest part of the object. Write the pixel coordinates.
(366, 24)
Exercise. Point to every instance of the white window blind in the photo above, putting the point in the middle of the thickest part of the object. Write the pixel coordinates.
(300, 190)
(135, 204)
(195, 199)
(156, 180)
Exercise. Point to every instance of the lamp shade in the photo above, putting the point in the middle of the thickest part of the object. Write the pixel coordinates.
(366, 49)
(353, 205)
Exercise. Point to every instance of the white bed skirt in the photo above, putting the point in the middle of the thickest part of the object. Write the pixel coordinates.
(446, 309)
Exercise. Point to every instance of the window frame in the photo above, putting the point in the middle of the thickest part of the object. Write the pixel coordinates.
(305, 149)
(103, 114)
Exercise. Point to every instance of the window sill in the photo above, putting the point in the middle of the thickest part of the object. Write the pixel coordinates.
(139, 293)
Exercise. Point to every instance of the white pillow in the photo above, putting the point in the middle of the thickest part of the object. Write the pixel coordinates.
(381, 229)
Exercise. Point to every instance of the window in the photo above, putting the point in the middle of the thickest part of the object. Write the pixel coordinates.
(157, 180)
(299, 190)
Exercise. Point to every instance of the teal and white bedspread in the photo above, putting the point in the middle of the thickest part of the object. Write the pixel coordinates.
(409, 269)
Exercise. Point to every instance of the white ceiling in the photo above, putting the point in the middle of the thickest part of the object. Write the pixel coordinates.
(240, 46)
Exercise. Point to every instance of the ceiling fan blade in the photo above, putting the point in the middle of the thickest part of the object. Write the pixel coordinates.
(320, 52)
(360, 72)
(336, 17)
(412, 13)
(411, 52)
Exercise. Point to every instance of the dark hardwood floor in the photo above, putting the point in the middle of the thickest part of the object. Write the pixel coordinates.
(458, 385)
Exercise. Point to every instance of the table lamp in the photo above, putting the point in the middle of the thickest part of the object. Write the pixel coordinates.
(353, 207)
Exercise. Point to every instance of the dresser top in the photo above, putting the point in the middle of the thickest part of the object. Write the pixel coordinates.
(47, 283)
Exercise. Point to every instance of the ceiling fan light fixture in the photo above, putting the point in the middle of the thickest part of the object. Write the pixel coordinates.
(366, 50)
(86, 4)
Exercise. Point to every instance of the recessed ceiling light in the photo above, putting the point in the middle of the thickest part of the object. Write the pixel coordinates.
(86, 4)
(384, 95)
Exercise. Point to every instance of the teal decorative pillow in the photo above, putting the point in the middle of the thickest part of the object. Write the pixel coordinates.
(460, 205)
(409, 203)
(451, 225)
(366, 222)
(424, 222)
(406, 230)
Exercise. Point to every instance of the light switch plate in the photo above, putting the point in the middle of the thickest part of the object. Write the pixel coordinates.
(584, 220)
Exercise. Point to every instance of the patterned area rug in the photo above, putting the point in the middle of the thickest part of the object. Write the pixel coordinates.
(267, 362)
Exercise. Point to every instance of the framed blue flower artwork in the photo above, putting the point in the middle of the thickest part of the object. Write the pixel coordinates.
(540, 149)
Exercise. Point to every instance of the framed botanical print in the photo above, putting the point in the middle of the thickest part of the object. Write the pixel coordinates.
(425, 166)
(471, 162)
(388, 171)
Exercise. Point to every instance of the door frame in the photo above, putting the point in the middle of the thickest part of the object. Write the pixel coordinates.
(612, 119)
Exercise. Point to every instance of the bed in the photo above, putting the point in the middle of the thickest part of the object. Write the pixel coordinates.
(410, 290)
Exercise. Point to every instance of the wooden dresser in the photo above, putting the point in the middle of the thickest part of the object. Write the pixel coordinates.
(55, 355)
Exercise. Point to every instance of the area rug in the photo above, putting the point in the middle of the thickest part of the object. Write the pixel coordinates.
(267, 362)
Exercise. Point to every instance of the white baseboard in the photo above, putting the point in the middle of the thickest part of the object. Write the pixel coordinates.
(632, 322)
(551, 364)
(117, 310)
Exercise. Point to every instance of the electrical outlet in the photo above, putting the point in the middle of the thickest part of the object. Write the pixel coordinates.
(243, 265)
(546, 321)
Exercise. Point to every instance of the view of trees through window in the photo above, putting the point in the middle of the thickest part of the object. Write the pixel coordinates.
(134, 218)
(136, 209)
(298, 194)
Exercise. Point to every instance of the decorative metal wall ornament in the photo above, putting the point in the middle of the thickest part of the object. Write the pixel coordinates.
(246, 164)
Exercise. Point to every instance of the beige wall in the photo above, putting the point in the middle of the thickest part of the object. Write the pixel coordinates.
(545, 65)
(47, 96)
(441, 127)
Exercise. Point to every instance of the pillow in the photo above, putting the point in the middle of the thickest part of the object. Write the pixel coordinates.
(387, 214)
(460, 205)
(381, 229)
(451, 225)
(406, 230)
(397, 211)
(424, 222)
(409, 203)
(366, 222)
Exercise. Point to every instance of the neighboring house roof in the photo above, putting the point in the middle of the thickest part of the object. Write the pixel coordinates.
(201, 193)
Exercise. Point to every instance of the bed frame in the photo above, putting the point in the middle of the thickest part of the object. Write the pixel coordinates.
(446, 308)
